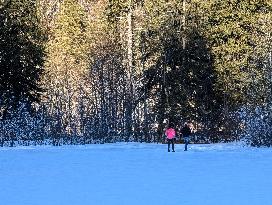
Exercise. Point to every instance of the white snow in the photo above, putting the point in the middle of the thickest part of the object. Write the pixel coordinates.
(135, 173)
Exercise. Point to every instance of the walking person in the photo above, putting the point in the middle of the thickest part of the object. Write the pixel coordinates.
(170, 136)
(186, 132)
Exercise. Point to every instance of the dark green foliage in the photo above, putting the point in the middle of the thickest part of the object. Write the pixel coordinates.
(185, 78)
(21, 53)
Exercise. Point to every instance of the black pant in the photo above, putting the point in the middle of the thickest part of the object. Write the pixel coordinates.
(171, 141)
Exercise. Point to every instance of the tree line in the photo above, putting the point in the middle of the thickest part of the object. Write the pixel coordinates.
(85, 71)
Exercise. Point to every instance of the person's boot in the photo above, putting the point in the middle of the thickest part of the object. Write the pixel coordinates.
(173, 150)
(168, 150)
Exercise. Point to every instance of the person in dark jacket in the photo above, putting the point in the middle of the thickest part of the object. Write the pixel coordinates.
(185, 133)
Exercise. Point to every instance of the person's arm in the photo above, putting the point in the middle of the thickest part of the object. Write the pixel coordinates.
(165, 134)
(181, 134)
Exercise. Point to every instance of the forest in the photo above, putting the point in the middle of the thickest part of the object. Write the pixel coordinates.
(104, 71)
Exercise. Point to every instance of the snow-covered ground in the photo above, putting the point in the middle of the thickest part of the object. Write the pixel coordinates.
(134, 173)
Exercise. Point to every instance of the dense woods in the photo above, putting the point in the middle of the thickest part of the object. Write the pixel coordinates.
(98, 71)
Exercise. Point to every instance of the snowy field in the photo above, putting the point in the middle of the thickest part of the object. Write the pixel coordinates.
(134, 173)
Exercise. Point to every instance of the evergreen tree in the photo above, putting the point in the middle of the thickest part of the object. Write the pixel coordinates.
(235, 31)
(179, 72)
(21, 53)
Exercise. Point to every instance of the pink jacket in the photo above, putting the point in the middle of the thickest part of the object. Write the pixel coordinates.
(170, 133)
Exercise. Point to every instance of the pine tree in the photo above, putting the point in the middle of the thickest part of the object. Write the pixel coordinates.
(236, 31)
(21, 54)
(178, 68)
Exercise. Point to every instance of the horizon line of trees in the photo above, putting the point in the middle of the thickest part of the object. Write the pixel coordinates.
(85, 71)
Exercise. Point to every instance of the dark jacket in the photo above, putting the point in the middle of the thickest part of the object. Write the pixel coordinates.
(185, 131)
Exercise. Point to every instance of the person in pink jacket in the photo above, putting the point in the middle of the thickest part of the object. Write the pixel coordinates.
(170, 136)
